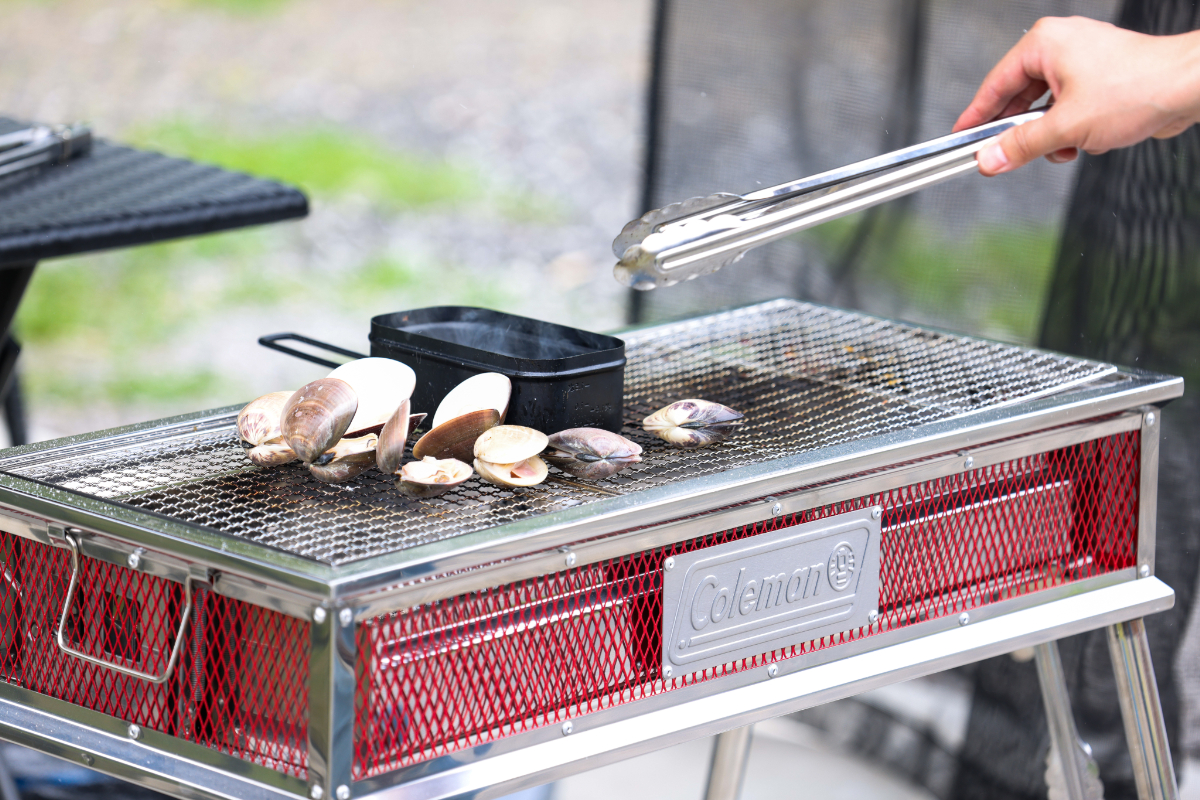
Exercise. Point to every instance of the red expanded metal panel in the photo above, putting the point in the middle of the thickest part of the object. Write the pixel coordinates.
(241, 685)
(471, 669)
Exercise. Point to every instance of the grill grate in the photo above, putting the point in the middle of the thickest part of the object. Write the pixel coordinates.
(472, 669)
(805, 376)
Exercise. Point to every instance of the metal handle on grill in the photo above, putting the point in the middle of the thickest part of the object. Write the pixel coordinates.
(185, 615)
(699, 236)
(273, 341)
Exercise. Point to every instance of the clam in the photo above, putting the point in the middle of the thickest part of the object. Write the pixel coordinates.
(455, 438)
(592, 453)
(258, 426)
(485, 390)
(381, 384)
(475, 405)
(430, 476)
(346, 459)
(392, 440)
(317, 416)
(693, 423)
(258, 422)
(507, 455)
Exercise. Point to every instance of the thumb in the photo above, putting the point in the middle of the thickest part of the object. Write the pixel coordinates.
(1017, 146)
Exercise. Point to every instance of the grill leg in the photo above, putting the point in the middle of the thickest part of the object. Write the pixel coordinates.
(730, 752)
(1070, 768)
(1142, 711)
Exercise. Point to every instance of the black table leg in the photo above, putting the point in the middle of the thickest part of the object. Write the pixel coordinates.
(14, 278)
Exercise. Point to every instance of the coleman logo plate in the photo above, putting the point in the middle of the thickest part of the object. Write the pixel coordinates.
(769, 591)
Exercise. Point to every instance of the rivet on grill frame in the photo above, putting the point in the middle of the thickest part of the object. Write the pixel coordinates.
(876, 512)
(343, 792)
(135, 558)
(873, 616)
(772, 670)
(776, 509)
(134, 731)
(669, 563)
(316, 792)
(319, 618)
(970, 462)
(1150, 418)
(667, 672)
(345, 616)
(570, 559)
(1144, 571)
(567, 727)
(964, 618)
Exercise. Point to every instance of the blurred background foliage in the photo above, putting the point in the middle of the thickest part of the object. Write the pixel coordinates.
(454, 153)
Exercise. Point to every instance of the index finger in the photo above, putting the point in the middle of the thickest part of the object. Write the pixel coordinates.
(1010, 83)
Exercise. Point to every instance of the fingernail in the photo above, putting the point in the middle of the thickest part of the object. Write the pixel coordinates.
(992, 159)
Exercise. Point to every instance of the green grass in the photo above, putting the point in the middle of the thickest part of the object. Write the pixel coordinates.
(326, 162)
(124, 386)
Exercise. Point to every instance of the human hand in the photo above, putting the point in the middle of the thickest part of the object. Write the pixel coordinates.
(1111, 88)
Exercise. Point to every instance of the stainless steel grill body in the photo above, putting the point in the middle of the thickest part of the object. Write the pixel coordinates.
(328, 623)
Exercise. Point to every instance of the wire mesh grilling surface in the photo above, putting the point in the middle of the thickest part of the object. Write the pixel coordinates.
(805, 376)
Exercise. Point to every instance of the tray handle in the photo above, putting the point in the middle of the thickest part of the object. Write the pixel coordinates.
(184, 616)
(273, 341)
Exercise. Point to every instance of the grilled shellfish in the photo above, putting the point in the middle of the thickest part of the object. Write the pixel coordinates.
(345, 460)
(430, 476)
(317, 416)
(258, 426)
(592, 453)
(507, 455)
(693, 423)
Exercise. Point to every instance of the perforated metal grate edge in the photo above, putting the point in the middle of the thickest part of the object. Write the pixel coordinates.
(806, 377)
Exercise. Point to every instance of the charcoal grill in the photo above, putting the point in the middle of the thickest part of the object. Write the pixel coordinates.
(175, 616)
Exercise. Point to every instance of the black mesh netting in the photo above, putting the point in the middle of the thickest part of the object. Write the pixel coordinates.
(1099, 258)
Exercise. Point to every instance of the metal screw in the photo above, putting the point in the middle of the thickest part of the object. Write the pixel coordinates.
(970, 462)
(876, 513)
(345, 616)
(666, 672)
(343, 792)
(316, 792)
(683, 644)
(568, 726)
(87, 758)
(772, 671)
(777, 509)
(872, 617)
(964, 618)
(135, 559)
(135, 731)
(1150, 418)
(669, 563)
(1144, 571)
(319, 618)
(570, 559)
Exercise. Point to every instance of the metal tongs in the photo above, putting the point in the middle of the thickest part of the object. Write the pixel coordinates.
(42, 145)
(699, 236)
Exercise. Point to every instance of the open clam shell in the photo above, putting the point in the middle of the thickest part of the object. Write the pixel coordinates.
(381, 384)
(485, 390)
(592, 453)
(347, 459)
(507, 455)
(693, 423)
(392, 440)
(258, 422)
(317, 416)
(271, 454)
(430, 476)
(456, 437)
